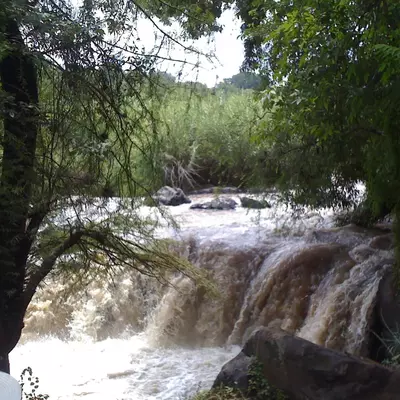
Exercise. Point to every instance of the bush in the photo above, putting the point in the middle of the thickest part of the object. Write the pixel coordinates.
(392, 346)
(259, 387)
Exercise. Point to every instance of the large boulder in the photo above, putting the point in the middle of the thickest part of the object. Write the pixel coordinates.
(236, 373)
(216, 204)
(305, 370)
(170, 196)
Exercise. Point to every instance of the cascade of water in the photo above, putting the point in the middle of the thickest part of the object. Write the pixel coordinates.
(320, 285)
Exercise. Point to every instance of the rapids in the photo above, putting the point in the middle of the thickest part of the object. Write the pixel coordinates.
(135, 338)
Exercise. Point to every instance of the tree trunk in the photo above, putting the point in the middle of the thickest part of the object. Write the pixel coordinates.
(4, 363)
(18, 78)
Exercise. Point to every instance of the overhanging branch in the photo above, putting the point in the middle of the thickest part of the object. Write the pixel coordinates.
(47, 265)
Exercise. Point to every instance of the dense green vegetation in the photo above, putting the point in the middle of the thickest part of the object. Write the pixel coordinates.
(242, 80)
(332, 96)
(185, 135)
(205, 136)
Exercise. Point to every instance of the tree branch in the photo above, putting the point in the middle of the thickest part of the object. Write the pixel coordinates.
(47, 265)
(36, 217)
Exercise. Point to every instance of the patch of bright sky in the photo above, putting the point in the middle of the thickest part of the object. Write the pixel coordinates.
(225, 49)
(222, 54)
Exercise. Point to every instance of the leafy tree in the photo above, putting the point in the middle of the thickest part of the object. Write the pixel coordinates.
(333, 100)
(66, 75)
(243, 80)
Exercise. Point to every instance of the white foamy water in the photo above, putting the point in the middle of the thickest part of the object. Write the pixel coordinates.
(123, 369)
(242, 225)
(134, 366)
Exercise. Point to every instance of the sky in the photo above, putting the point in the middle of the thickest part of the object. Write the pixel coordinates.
(226, 47)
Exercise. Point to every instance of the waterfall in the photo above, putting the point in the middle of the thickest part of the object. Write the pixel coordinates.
(317, 282)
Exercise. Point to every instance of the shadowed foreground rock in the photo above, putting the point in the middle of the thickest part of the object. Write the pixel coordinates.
(306, 371)
(235, 373)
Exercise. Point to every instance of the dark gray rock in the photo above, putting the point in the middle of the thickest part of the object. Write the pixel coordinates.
(170, 196)
(306, 371)
(383, 242)
(216, 204)
(349, 235)
(235, 373)
(248, 202)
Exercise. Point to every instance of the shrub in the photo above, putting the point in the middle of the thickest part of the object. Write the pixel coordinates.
(259, 387)
(392, 346)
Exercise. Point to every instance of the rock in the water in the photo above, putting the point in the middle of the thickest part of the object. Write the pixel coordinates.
(216, 204)
(236, 373)
(349, 235)
(383, 242)
(305, 370)
(248, 202)
(171, 196)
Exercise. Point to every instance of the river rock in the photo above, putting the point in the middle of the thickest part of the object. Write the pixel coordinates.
(170, 196)
(383, 242)
(236, 373)
(216, 204)
(349, 235)
(248, 202)
(305, 370)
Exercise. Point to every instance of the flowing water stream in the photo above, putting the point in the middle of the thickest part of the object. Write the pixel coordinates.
(135, 338)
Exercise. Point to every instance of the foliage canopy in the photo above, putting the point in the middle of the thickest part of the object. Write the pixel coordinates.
(333, 97)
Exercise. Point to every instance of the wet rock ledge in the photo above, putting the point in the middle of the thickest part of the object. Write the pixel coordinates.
(306, 371)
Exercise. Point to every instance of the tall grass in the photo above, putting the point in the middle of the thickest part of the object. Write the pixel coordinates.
(177, 133)
(205, 136)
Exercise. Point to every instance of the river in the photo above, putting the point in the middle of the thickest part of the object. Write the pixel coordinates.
(136, 339)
